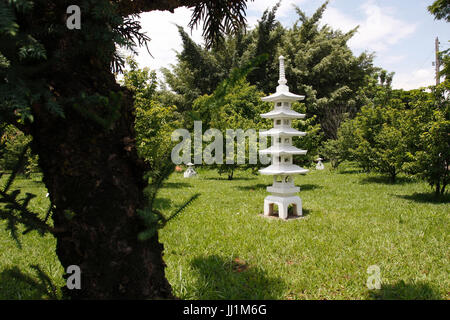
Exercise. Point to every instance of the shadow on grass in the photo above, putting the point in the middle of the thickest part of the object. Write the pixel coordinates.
(303, 187)
(252, 187)
(219, 278)
(162, 203)
(305, 212)
(226, 178)
(426, 198)
(347, 171)
(176, 185)
(306, 187)
(406, 291)
(387, 180)
(16, 285)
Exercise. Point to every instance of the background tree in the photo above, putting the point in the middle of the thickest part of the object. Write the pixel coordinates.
(381, 139)
(235, 105)
(322, 66)
(429, 128)
(440, 9)
(12, 143)
(197, 72)
(200, 69)
(354, 137)
(154, 125)
(266, 38)
(313, 139)
(58, 85)
(343, 148)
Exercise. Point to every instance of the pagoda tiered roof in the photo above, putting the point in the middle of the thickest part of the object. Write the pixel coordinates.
(283, 113)
(283, 169)
(283, 150)
(283, 96)
(283, 131)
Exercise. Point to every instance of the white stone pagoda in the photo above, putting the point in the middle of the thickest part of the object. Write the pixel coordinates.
(283, 191)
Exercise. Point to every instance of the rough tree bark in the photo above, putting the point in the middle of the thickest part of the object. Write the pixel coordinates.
(95, 180)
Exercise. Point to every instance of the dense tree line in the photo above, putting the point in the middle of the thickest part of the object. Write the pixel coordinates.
(399, 132)
(319, 64)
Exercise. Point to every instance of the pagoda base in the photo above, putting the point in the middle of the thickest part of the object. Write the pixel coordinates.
(283, 203)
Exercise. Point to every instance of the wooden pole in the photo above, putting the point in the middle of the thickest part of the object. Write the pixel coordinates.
(438, 64)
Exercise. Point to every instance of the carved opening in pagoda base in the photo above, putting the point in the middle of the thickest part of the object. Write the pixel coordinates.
(287, 140)
(271, 208)
(274, 209)
(278, 122)
(292, 209)
(286, 122)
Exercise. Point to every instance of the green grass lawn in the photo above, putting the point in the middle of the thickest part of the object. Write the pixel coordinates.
(221, 248)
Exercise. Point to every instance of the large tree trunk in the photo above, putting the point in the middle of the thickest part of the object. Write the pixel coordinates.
(95, 180)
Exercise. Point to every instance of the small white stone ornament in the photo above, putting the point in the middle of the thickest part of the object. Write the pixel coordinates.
(283, 191)
(319, 165)
(190, 172)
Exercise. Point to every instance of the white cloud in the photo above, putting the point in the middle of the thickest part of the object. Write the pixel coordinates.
(257, 7)
(339, 20)
(285, 8)
(413, 80)
(161, 27)
(379, 29)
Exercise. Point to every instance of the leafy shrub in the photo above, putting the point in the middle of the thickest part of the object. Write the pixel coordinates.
(12, 143)
(429, 147)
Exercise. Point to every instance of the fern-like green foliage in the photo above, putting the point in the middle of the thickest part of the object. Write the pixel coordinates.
(22, 58)
(15, 209)
(28, 31)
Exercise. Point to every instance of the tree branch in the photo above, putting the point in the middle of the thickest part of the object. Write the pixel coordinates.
(128, 7)
(218, 16)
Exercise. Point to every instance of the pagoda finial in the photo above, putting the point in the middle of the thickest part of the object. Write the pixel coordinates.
(282, 80)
